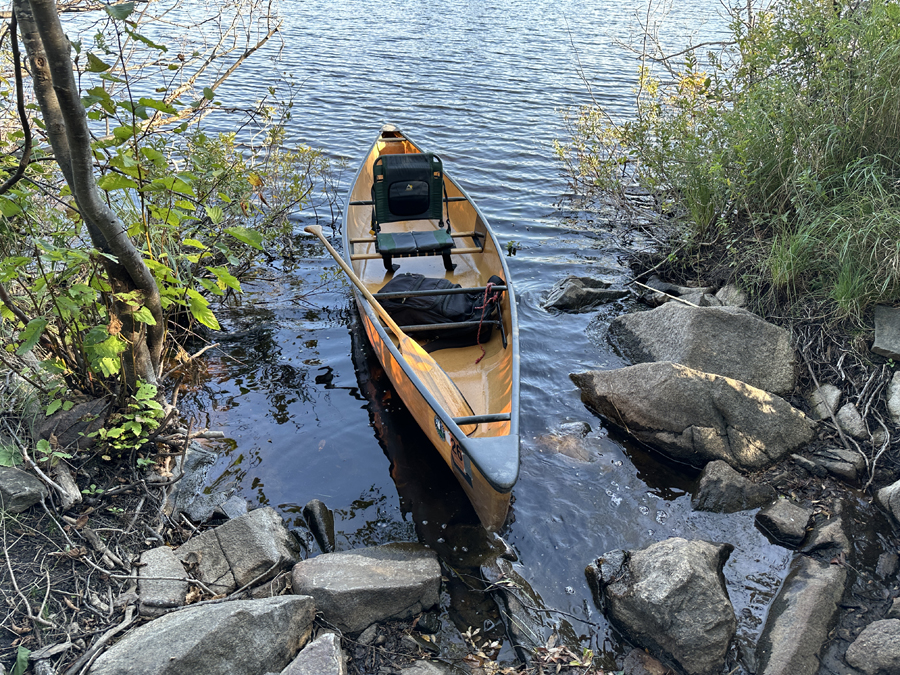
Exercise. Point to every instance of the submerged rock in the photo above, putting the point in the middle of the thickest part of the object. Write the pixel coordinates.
(354, 589)
(723, 490)
(696, 417)
(580, 294)
(725, 341)
(671, 599)
(800, 618)
(233, 638)
(515, 597)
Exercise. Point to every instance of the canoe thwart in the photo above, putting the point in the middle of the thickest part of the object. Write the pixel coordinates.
(482, 419)
(423, 327)
(455, 235)
(377, 256)
(369, 202)
(436, 291)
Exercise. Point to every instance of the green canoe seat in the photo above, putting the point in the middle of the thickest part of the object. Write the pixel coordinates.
(406, 188)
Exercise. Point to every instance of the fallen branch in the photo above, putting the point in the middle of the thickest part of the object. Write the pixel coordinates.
(82, 664)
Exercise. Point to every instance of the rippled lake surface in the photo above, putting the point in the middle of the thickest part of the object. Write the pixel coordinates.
(305, 406)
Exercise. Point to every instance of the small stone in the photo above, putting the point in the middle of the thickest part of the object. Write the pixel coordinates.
(894, 611)
(429, 623)
(849, 419)
(893, 397)
(159, 595)
(887, 565)
(723, 490)
(844, 464)
(320, 521)
(809, 466)
(19, 490)
(824, 401)
(581, 429)
(887, 332)
(784, 523)
(429, 668)
(700, 299)
(367, 637)
(730, 294)
(877, 649)
(580, 294)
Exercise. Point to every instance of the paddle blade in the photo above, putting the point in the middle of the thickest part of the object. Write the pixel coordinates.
(436, 380)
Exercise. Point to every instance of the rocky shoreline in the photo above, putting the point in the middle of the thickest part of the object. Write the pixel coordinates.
(712, 386)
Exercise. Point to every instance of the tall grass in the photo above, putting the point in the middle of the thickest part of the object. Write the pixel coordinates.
(788, 139)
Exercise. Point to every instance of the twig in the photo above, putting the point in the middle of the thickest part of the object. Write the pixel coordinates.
(101, 548)
(189, 359)
(87, 658)
(673, 297)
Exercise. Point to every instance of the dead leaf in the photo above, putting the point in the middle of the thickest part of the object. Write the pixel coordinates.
(69, 604)
(192, 596)
(82, 521)
(115, 326)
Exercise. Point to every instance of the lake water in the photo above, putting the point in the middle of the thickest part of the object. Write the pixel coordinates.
(305, 406)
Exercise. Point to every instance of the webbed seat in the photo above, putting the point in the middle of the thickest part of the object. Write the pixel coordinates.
(405, 188)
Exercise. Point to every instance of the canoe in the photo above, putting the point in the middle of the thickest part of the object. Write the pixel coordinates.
(481, 448)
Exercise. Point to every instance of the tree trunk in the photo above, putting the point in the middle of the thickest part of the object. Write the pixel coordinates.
(48, 52)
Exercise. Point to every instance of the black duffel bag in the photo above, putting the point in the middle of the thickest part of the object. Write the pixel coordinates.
(442, 309)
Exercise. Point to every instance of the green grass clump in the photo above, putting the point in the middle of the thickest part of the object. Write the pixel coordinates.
(787, 139)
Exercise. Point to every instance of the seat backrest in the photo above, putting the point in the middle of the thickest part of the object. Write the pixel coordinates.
(407, 187)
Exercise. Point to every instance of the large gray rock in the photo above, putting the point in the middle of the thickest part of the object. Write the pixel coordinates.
(889, 498)
(670, 598)
(354, 589)
(723, 490)
(19, 490)
(840, 462)
(322, 656)
(580, 294)
(252, 548)
(233, 638)
(784, 523)
(887, 332)
(158, 592)
(877, 649)
(73, 428)
(726, 341)
(696, 417)
(800, 618)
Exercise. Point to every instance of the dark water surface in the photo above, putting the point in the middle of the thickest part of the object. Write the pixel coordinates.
(306, 408)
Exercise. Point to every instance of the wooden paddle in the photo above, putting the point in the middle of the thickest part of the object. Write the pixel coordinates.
(426, 368)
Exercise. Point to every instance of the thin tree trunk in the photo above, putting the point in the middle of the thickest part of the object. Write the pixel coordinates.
(48, 51)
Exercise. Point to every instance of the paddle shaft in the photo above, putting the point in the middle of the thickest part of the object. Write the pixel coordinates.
(317, 230)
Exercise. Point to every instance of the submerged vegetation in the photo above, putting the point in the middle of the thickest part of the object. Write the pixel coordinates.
(779, 151)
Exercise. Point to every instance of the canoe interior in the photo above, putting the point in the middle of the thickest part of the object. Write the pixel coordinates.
(488, 384)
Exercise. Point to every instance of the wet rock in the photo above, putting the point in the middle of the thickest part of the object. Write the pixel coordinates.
(841, 463)
(515, 597)
(887, 565)
(320, 521)
(877, 649)
(800, 618)
(19, 490)
(732, 296)
(726, 341)
(824, 401)
(894, 611)
(354, 589)
(889, 498)
(580, 294)
(575, 429)
(205, 639)
(723, 490)
(639, 662)
(574, 446)
(72, 428)
(784, 523)
(849, 419)
(429, 623)
(158, 591)
(828, 540)
(887, 332)
(893, 397)
(234, 507)
(696, 417)
(670, 598)
(322, 656)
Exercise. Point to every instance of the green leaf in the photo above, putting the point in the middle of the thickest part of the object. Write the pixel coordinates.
(10, 456)
(124, 132)
(115, 181)
(225, 278)
(53, 407)
(195, 244)
(147, 41)
(95, 65)
(120, 12)
(215, 214)
(30, 335)
(246, 235)
(162, 106)
(208, 94)
(8, 207)
(43, 447)
(199, 308)
(21, 664)
(145, 316)
(68, 405)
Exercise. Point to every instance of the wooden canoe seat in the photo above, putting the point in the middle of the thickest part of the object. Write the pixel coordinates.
(408, 188)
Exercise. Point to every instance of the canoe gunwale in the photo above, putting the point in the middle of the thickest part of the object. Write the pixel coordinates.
(481, 451)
